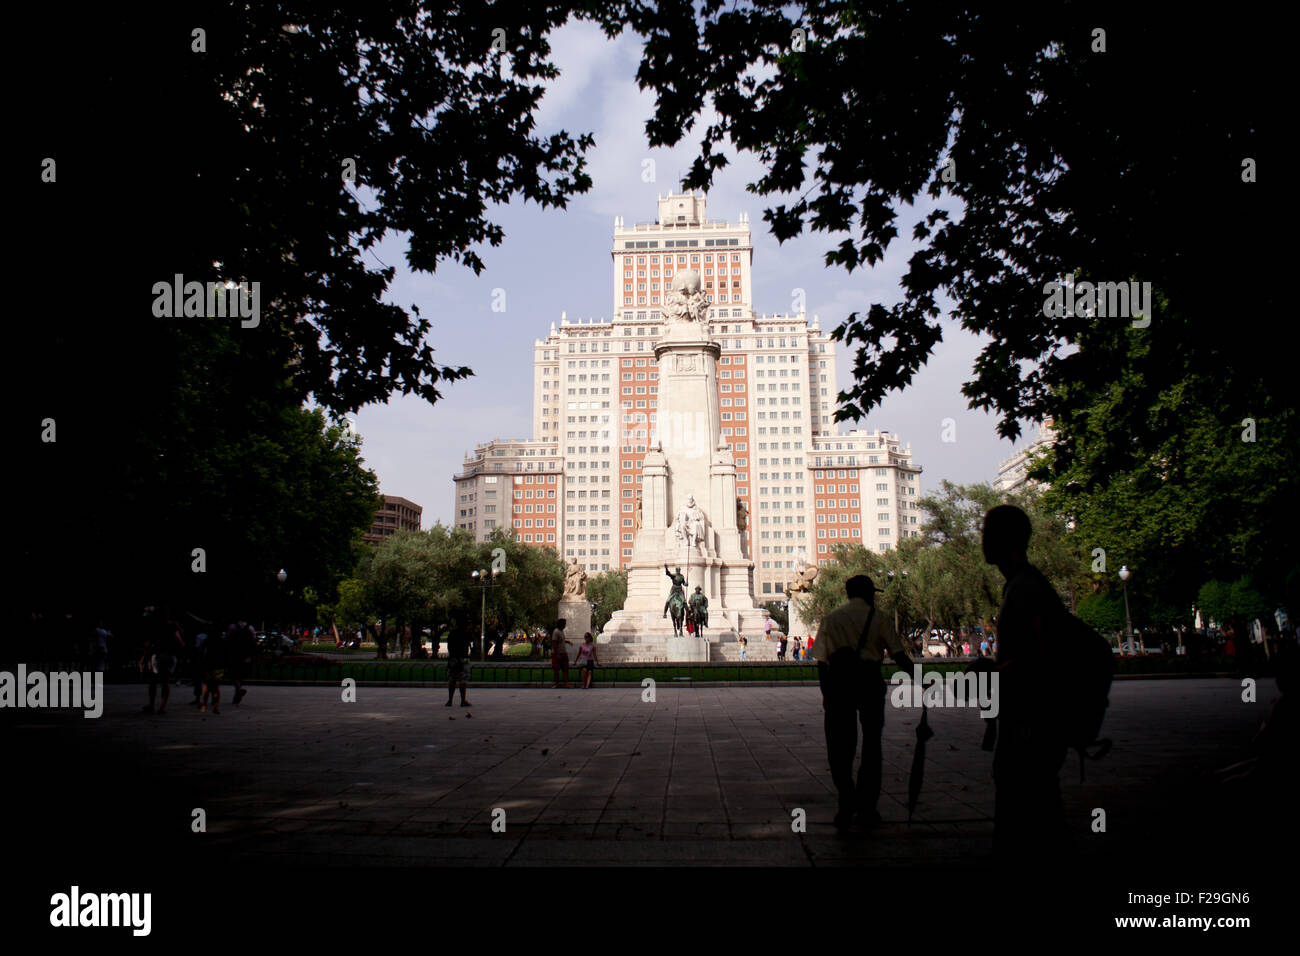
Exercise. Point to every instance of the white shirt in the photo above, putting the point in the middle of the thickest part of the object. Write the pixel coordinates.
(843, 626)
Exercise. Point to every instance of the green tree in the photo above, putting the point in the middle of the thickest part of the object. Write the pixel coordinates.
(425, 579)
(184, 432)
(1104, 611)
(1211, 500)
(779, 614)
(349, 611)
(529, 589)
(608, 591)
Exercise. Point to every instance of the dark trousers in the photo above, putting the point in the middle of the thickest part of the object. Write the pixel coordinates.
(843, 714)
(1028, 816)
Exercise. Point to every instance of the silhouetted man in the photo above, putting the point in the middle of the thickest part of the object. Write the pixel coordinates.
(459, 641)
(851, 645)
(1029, 819)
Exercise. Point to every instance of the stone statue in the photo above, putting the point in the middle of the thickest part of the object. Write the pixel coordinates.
(689, 524)
(686, 300)
(636, 520)
(699, 605)
(575, 580)
(742, 515)
(676, 595)
(805, 579)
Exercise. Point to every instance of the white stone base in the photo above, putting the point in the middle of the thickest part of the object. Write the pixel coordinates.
(800, 626)
(687, 649)
(577, 613)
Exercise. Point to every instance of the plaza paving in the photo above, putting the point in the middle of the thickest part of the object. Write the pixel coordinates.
(704, 775)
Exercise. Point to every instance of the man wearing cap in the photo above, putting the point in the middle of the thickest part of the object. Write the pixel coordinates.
(857, 697)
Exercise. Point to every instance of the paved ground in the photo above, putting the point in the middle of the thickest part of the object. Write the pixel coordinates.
(702, 775)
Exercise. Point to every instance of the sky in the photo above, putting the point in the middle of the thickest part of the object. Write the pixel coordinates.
(558, 261)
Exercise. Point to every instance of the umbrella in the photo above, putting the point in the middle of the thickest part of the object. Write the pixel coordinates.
(923, 733)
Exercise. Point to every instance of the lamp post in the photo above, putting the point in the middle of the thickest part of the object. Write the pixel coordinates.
(484, 580)
(1124, 575)
(281, 576)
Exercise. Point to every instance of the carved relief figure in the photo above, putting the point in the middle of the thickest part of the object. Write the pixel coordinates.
(686, 300)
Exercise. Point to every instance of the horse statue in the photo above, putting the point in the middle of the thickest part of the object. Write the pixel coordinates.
(697, 611)
(676, 603)
(695, 622)
(677, 610)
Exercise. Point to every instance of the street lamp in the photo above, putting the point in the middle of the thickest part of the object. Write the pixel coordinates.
(281, 577)
(1124, 575)
(484, 580)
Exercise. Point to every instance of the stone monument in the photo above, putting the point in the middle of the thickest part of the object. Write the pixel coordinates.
(574, 607)
(689, 513)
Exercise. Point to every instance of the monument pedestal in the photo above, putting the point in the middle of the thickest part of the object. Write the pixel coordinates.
(686, 649)
(577, 613)
(800, 626)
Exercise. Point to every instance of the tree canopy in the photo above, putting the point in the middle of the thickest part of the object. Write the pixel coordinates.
(1053, 140)
(608, 591)
(274, 144)
(425, 579)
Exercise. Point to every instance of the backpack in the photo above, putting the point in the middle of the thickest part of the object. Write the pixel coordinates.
(844, 673)
(1088, 666)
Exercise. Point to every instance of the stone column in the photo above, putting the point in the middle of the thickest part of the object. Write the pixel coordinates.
(654, 493)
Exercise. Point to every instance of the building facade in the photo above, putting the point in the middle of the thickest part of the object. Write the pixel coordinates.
(515, 484)
(396, 514)
(1013, 472)
(595, 402)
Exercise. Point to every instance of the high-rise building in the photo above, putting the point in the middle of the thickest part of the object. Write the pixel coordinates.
(514, 484)
(1013, 472)
(396, 514)
(865, 488)
(595, 388)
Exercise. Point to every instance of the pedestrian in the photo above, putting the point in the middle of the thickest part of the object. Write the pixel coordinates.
(214, 670)
(744, 647)
(809, 649)
(780, 651)
(767, 628)
(458, 664)
(163, 645)
(984, 647)
(850, 648)
(195, 663)
(587, 660)
(559, 653)
(1028, 818)
(99, 646)
(241, 645)
(798, 649)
